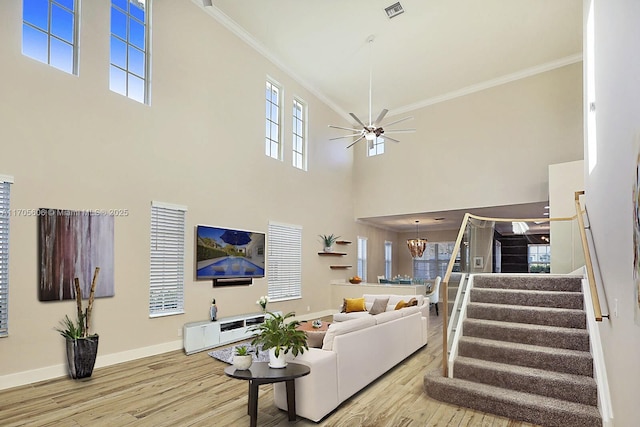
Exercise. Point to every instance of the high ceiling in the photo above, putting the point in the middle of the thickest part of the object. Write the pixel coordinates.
(434, 51)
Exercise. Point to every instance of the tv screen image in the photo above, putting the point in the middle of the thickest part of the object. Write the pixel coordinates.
(224, 253)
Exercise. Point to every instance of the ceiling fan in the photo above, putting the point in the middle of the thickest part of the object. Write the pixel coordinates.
(374, 129)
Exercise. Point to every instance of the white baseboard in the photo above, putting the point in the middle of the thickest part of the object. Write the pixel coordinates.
(57, 371)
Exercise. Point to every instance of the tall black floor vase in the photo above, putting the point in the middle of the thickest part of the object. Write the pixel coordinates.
(81, 356)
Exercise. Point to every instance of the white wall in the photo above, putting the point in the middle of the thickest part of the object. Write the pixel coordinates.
(565, 179)
(608, 190)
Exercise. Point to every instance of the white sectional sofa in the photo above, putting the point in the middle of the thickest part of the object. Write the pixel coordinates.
(353, 354)
(423, 304)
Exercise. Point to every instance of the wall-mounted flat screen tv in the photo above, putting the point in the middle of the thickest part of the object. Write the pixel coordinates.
(224, 253)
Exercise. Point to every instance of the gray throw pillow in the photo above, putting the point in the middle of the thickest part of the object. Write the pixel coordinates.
(379, 306)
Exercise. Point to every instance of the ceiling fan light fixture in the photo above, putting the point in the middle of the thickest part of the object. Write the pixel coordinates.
(370, 136)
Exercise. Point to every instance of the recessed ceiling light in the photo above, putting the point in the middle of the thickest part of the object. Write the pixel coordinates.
(439, 219)
(546, 214)
(546, 207)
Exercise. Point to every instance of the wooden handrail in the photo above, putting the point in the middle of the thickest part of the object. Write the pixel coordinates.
(456, 249)
(595, 300)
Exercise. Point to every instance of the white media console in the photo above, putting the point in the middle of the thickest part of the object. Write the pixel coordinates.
(199, 336)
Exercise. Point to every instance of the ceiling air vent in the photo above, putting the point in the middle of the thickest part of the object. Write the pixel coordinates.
(394, 10)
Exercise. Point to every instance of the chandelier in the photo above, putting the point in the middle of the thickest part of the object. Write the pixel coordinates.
(416, 246)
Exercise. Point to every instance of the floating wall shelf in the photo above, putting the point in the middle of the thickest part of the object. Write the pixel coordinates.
(343, 242)
(332, 253)
(339, 267)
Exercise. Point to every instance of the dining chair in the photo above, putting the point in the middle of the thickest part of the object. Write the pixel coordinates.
(434, 295)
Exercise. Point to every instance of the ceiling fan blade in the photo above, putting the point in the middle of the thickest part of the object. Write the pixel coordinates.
(389, 138)
(340, 127)
(399, 131)
(398, 121)
(380, 117)
(357, 120)
(351, 145)
(346, 136)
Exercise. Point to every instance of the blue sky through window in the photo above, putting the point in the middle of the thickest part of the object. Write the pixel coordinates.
(48, 32)
(128, 73)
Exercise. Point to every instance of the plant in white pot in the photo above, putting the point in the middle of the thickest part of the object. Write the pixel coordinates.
(82, 347)
(242, 358)
(328, 240)
(280, 337)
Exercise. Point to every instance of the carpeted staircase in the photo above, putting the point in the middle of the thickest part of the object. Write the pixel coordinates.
(524, 353)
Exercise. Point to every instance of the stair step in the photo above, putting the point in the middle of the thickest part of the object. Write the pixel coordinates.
(547, 358)
(542, 282)
(557, 299)
(517, 405)
(570, 387)
(561, 317)
(548, 336)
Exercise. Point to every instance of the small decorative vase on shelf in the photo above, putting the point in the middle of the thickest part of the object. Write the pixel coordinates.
(277, 361)
(328, 249)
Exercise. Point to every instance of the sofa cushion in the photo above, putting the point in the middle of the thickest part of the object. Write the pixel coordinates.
(341, 328)
(401, 304)
(343, 317)
(408, 311)
(388, 316)
(354, 304)
(379, 306)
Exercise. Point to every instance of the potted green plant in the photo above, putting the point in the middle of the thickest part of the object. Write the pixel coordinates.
(82, 347)
(242, 358)
(280, 337)
(328, 241)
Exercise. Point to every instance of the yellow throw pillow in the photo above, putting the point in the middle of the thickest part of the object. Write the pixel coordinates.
(400, 304)
(354, 304)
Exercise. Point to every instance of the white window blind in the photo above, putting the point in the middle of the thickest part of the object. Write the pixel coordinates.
(166, 289)
(362, 258)
(5, 183)
(284, 262)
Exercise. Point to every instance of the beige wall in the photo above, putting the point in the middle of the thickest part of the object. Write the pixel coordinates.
(71, 143)
(489, 148)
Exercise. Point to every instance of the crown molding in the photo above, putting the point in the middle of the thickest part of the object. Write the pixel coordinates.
(522, 74)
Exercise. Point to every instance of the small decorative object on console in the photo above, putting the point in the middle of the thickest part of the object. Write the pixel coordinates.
(355, 279)
(213, 311)
(317, 323)
(262, 301)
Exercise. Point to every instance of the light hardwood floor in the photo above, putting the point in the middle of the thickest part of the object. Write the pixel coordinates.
(177, 390)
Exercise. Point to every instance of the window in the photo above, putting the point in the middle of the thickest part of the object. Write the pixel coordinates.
(166, 289)
(50, 33)
(129, 70)
(284, 249)
(376, 146)
(5, 183)
(299, 134)
(388, 252)
(434, 260)
(272, 131)
(539, 259)
(362, 258)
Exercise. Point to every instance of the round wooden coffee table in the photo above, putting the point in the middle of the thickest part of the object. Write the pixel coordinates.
(261, 373)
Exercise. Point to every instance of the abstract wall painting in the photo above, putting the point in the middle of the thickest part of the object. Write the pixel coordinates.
(72, 244)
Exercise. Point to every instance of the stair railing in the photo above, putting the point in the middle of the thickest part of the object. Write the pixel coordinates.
(595, 300)
(462, 250)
